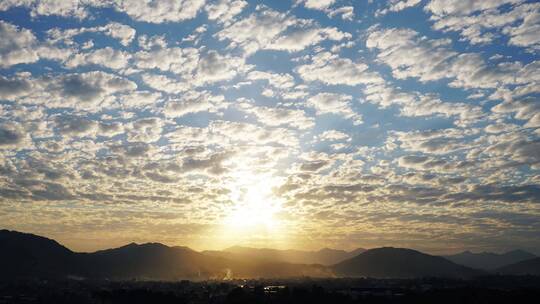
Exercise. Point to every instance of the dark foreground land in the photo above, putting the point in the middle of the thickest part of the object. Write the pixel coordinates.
(492, 289)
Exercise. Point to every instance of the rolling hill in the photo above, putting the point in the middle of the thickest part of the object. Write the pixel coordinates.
(27, 255)
(488, 260)
(24, 254)
(528, 267)
(389, 262)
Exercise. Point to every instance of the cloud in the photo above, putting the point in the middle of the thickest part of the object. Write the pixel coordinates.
(397, 5)
(145, 130)
(81, 91)
(279, 116)
(212, 164)
(269, 29)
(433, 59)
(107, 57)
(426, 59)
(14, 87)
(133, 149)
(213, 67)
(68, 8)
(161, 11)
(448, 7)
(17, 45)
(335, 103)
(333, 135)
(441, 141)
(317, 4)
(194, 102)
(119, 31)
(177, 60)
(214, 96)
(76, 126)
(415, 104)
(279, 81)
(165, 84)
(225, 10)
(13, 136)
(333, 70)
(124, 33)
(482, 22)
(346, 12)
(148, 43)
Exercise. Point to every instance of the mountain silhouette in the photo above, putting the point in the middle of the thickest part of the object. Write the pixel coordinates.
(24, 254)
(488, 260)
(27, 255)
(389, 262)
(150, 261)
(325, 256)
(158, 261)
(527, 267)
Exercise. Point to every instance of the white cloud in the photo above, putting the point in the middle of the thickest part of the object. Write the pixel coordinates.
(154, 42)
(346, 12)
(279, 116)
(107, 57)
(165, 84)
(225, 10)
(331, 69)
(269, 29)
(160, 11)
(193, 102)
(213, 67)
(317, 4)
(143, 10)
(464, 7)
(333, 135)
(335, 103)
(398, 5)
(414, 104)
(434, 59)
(124, 33)
(88, 91)
(426, 59)
(16, 46)
(480, 22)
(64, 8)
(280, 81)
(177, 60)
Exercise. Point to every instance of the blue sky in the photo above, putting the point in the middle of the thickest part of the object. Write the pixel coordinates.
(290, 124)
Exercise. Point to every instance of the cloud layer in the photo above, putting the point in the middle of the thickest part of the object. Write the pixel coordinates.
(125, 120)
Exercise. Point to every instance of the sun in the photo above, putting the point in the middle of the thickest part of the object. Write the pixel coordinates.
(256, 208)
(255, 211)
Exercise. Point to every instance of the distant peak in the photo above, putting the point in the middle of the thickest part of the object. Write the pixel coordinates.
(326, 249)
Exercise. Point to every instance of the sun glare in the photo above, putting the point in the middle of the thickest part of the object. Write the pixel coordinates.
(254, 214)
(257, 208)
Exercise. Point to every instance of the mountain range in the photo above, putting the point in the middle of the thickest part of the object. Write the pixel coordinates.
(28, 255)
(391, 262)
(325, 256)
(489, 260)
(528, 267)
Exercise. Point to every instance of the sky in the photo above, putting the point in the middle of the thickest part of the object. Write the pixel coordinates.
(288, 124)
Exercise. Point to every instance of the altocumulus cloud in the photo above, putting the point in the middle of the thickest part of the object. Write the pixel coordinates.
(123, 109)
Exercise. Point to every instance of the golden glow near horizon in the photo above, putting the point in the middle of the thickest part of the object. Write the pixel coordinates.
(254, 214)
(211, 124)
